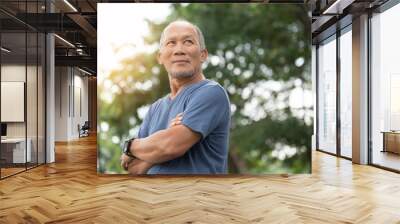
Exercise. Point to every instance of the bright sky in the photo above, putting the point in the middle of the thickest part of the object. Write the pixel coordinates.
(123, 24)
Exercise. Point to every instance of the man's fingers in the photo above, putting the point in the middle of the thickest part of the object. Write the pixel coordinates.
(175, 122)
(126, 164)
(122, 161)
(125, 160)
(177, 118)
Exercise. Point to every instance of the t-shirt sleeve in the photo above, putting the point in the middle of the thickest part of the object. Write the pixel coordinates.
(206, 109)
(145, 126)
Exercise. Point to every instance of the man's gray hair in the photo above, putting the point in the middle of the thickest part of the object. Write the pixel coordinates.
(198, 31)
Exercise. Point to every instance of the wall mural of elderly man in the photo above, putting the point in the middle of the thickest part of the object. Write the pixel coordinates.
(186, 131)
(244, 88)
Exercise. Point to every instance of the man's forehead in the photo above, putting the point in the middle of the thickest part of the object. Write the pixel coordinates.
(180, 29)
(175, 35)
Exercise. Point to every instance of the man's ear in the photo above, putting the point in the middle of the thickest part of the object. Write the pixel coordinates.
(159, 58)
(204, 55)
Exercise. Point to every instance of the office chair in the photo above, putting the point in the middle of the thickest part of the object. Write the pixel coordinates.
(84, 130)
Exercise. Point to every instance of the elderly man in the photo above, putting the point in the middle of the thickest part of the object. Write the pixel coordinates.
(187, 131)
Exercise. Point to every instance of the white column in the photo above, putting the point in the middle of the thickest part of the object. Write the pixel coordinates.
(50, 92)
(360, 90)
(50, 100)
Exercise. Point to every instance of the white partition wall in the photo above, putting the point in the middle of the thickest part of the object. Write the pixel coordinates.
(71, 102)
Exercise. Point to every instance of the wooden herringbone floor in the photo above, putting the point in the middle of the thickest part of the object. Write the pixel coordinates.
(70, 191)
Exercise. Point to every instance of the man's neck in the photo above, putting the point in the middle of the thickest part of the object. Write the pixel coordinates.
(178, 84)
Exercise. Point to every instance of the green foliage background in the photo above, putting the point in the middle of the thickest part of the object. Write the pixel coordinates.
(250, 45)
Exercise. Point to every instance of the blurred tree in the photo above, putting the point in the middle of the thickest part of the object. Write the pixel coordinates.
(260, 54)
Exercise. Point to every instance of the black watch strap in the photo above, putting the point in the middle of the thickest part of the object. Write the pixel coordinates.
(127, 147)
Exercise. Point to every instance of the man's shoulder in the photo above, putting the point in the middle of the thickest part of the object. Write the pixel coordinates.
(211, 84)
(210, 88)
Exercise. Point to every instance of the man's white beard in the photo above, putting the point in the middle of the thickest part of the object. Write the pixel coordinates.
(179, 75)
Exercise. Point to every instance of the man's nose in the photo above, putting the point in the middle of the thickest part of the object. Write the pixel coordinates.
(178, 50)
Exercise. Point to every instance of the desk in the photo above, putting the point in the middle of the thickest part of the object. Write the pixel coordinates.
(391, 141)
(13, 150)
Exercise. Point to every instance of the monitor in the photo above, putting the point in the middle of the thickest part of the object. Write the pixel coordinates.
(3, 129)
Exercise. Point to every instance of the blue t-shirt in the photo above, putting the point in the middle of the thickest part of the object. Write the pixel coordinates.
(206, 110)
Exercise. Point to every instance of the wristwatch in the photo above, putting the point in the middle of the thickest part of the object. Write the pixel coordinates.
(127, 146)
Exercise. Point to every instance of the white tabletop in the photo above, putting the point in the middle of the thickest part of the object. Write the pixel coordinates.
(13, 140)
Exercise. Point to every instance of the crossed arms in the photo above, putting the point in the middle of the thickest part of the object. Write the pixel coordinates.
(163, 145)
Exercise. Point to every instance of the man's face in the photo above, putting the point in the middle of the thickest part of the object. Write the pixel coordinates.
(180, 52)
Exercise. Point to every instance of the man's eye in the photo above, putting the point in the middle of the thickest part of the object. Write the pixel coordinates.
(169, 43)
(188, 42)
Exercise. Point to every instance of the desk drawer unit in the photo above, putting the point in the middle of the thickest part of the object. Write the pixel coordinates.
(13, 151)
(391, 142)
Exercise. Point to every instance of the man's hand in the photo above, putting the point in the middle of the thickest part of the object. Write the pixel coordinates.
(176, 121)
(138, 166)
(125, 160)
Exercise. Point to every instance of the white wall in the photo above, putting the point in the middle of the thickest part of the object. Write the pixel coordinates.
(71, 94)
(61, 103)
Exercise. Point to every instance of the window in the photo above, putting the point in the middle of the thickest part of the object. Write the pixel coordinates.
(327, 95)
(385, 88)
(346, 93)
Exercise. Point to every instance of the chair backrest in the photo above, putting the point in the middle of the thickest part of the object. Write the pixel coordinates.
(86, 125)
